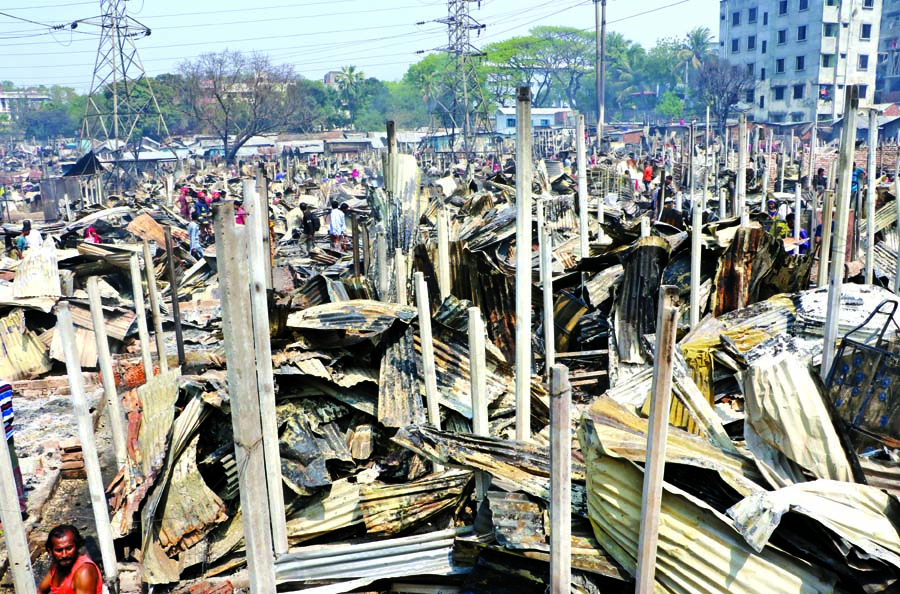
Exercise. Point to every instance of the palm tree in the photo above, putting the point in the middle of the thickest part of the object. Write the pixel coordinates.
(349, 83)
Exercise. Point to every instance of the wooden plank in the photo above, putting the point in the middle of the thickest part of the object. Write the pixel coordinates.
(661, 399)
(108, 377)
(85, 423)
(429, 373)
(14, 535)
(524, 142)
(234, 279)
(478, 383)
(443, 236)
(560, 480)
(153, 292)
(141, 314)
(265, 379)
(173, 286)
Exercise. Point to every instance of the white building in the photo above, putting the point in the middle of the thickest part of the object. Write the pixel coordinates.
(541, 117)
(802, 54)
(888, 81)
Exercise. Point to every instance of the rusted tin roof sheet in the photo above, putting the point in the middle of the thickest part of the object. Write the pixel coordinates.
(24, 356)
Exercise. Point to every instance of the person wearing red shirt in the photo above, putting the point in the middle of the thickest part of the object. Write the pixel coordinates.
(71, 571)
(648, 176)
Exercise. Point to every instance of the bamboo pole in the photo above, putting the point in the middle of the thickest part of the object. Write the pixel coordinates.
(153, 292)
(141, 314)
(839, 248)
(696, 230)
(107, 375)
(85, 425)
(237, 327)
(265, 380)
(354, 226)
(870, 197)
(661, 398)
(560, 480)
(825, 247)
(523, 263)
(581, 159)
(173, 288)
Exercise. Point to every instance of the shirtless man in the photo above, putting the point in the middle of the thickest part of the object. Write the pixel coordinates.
(71, 571)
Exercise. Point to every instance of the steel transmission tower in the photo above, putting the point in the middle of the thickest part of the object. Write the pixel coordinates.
(119, 79)
(464, 105)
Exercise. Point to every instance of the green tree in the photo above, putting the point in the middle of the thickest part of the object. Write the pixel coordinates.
(350, 86)
(670, 106)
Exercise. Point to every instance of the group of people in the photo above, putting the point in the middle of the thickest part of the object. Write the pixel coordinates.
(337, 225)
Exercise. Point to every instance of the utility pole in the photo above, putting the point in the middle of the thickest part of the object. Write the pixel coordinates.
(600, 20)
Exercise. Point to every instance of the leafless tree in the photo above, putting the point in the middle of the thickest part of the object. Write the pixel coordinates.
(723, 85)
(237, 96)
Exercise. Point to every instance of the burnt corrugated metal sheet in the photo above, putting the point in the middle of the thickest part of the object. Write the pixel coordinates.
(360, 315)
(23, 355)
(400, 400)
(390, 509)
(514, 466)
(699, 551)
(788, 427)
(119, 322)
(635, 313)
(424, 554)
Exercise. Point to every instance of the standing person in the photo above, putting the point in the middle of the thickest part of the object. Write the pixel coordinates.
(194, 236)
(6, 406)
(91, 235)
(648, 176)
(804, 236)
(820, 181)
(71, 571)
(336, 225)
(28, 239)
(309, 224)
(240, 215)
(856, 184)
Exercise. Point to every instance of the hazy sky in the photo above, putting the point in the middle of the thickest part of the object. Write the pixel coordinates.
(380, 37)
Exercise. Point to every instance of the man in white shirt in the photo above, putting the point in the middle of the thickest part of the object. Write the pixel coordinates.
(28, 240)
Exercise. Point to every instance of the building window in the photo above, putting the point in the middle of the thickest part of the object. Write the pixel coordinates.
(751, 69)
(863, 62)
(735, 46)
(762, 101)
(735, 18)
(751, 15)
(824, 92)
(749, 97)
(867, 4)
(510, 122)
(798, 91)
(765, 18)
(762, 74)
(782, 7)
(830, 30)
(779, 66)
(804, 4)
(865, 31)
(782, 36)
(751, 43)
(545, 123)
(863, 90)
(801, 33)
(831, 2)
(801, 63)
(765, 45)
(827, 60)
(778, 93)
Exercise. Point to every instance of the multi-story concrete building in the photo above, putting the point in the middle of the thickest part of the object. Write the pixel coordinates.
(887, 82)
(802, 54)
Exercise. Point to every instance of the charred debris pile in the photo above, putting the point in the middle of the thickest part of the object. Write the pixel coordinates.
(776, 480)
